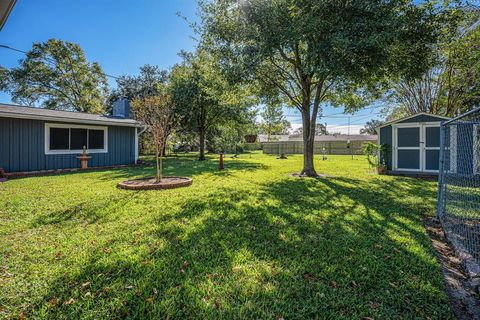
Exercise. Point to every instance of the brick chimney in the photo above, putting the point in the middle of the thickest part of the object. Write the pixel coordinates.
(121, 109)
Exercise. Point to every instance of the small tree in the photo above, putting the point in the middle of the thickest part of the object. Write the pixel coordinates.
(204, 98)
(157, 113)
(376, 154)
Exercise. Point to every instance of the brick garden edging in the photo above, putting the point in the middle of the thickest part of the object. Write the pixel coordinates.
(150, 184)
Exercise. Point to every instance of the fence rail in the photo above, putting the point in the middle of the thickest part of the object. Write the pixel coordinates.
(331, 147)
(459, 186)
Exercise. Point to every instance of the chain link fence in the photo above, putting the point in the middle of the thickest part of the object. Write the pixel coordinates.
(459, 186)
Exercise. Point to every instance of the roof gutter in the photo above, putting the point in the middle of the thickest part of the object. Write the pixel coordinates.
(144, 128)
(69, 120)
(7, 8)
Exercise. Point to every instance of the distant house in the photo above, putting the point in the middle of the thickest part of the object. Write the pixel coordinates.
(329, 144)
(34, 139)
(413, 143)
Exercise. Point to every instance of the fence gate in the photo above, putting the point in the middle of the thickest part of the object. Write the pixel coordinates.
(459, 186)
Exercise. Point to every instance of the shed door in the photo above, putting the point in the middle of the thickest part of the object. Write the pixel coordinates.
(432, 147)
(408, 151)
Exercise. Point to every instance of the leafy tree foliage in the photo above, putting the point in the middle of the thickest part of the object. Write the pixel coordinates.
(320, 130)
(204, 98)
(308, 52)
(273, 121)
(451, 86)
(228, 137)
(146, 83)
(370, 127)
(56, 75)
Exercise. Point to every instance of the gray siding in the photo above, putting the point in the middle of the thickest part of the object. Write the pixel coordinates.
(386, 138)
(22, 148)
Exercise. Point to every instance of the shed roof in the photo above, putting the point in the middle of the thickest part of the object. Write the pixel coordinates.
(411, 117)
(22, 112)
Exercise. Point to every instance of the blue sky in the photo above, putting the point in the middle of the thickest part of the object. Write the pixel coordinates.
(122, 35)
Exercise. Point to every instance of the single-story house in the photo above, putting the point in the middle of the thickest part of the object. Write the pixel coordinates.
(35, 139)
(329, 144)
(413, 143)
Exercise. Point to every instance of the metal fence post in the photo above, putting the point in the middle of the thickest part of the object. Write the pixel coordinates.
(441, 170)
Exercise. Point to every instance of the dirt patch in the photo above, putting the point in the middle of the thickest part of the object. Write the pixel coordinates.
(298, 175)
(152, 184)
(464, 301)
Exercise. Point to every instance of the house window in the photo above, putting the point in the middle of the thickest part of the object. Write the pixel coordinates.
(59, 139)
(96, 139)
(70, 139)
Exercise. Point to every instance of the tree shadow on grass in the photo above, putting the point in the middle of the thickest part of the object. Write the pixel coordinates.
(184, 166)
(86, 211)
(297, 248)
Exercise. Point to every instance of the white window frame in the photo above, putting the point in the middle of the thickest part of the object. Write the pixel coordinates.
(395, 128)
(74, 126)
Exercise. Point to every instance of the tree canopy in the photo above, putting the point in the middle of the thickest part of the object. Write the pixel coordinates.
(146, 83)
(451, 85)
(56, 75)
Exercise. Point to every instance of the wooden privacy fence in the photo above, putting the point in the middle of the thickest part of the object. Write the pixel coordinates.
(331, 147)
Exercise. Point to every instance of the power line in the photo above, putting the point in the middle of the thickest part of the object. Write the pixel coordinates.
(340, 115)
(48, 59)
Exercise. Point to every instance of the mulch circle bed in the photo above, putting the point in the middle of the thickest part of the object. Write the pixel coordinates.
(151, 184)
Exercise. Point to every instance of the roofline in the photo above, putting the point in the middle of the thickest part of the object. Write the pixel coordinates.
(409, 117)
(4, 18)
(67, 120)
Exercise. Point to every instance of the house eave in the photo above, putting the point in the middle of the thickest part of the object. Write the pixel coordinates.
(5, 9)
(68, 120)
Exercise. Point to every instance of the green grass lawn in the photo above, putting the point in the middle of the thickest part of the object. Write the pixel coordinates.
(247, 242)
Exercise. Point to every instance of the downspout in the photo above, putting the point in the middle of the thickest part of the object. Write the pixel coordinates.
(137, 136)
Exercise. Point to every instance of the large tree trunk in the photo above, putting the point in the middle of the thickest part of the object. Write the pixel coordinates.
(201, 156)
(308, 145)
